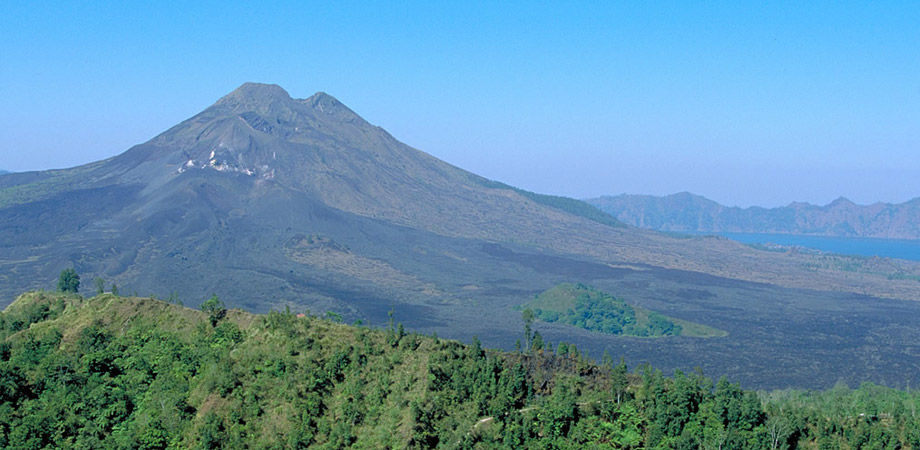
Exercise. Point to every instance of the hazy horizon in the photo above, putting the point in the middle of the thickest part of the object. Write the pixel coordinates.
(744, 104)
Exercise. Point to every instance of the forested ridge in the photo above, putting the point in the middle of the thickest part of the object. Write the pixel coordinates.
(121, 372)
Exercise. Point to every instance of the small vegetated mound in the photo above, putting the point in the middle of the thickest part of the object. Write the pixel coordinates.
(585, 307)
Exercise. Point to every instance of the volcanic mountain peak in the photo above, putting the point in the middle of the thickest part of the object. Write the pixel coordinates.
(328, 104)
(321, 97)
(272, 103)
(255, 130)
(255, 94)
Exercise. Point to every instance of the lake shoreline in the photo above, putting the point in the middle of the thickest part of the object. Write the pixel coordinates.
(858, 246)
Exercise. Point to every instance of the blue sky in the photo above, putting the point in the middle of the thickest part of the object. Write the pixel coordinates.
(743, 102)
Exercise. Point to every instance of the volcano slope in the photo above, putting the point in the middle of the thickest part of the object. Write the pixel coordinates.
(273, 202)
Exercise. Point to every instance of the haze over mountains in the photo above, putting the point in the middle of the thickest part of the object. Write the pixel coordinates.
(689, 212)
(270, 201)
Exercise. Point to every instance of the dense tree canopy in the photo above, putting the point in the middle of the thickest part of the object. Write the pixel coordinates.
(113, 372)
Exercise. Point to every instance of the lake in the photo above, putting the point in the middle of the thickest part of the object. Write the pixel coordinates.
(892, 248)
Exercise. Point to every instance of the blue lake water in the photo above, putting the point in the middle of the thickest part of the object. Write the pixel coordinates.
(892, 248)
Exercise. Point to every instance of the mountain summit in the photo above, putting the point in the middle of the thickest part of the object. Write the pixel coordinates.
(272, 102)
(272, 202)
(320, 148)
(244, 183)
(255, 95)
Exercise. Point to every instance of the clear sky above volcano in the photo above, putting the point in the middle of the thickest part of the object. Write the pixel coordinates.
(742, 102)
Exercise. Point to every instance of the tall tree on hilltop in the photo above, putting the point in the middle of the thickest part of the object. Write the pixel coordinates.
(100, 285)
(69, 281)
(215, 309)
(528, 316)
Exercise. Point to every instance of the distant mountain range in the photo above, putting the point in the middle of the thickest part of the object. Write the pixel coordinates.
(3, 171)
(689, 212)
(273, 202)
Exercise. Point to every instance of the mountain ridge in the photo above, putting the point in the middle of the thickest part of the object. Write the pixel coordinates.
(841, 217)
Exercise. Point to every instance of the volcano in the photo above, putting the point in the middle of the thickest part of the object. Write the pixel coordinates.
(272, 202)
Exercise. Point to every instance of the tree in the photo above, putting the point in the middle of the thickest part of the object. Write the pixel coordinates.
(536, 344)
(563, 349)
(560, 410)
(69, 281)
(619, 380)
(100, 285)
(215, 309)
(528, 317)
(779, 430)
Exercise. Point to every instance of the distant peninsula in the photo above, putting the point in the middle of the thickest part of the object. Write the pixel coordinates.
(693, 213)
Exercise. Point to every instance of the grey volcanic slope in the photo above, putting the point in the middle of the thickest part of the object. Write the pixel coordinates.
(270, 201)
(688, 212)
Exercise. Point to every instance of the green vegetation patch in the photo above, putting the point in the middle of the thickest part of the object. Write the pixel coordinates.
(593, 310)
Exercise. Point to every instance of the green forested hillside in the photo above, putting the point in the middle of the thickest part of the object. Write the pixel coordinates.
(114, 372)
